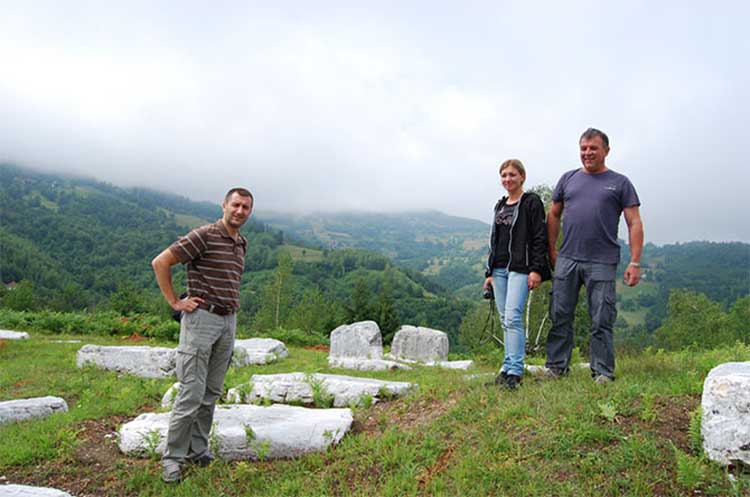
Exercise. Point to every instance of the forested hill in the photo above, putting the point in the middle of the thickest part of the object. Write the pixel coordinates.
(88, 236)
(412, 239)
(75, 243)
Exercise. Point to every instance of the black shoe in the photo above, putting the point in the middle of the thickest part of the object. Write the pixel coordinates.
(501, 378)
(203, 460)
(512, 381)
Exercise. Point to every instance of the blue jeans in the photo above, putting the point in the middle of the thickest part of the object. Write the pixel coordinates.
(511, 290)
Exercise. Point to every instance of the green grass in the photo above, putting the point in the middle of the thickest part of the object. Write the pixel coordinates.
(304, 254)
(636, 436)
(189, 221)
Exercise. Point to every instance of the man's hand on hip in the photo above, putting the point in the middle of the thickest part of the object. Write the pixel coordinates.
(188, 305)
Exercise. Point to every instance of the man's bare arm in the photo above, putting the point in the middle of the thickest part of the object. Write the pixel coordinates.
(635, 235)
(162, 265)
(553, 229)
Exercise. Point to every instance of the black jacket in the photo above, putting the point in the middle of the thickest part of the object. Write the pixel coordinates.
(528, 237)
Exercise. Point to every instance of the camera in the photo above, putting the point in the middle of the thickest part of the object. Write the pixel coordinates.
(488, 293)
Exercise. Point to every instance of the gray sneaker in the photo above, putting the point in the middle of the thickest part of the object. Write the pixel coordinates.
(171, 471)
(554, 374)
(602, 379)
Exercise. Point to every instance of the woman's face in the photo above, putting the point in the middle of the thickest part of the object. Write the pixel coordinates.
(511, 179)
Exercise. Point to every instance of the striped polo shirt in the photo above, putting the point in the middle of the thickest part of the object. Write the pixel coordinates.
(214, 262)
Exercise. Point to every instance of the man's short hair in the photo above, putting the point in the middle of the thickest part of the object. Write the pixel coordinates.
(592, 133)
(242, 192)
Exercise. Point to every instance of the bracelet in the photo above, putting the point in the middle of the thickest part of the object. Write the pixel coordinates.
(636, 264)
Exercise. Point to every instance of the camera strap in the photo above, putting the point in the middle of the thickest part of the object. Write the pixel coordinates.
(489, 324)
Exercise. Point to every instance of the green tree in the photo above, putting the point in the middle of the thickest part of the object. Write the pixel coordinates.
(313, 313)
(276, 297)
(72, 297)
(22, 297)
(360, 309)
(387, 316)
(695, 320)
(128, 300)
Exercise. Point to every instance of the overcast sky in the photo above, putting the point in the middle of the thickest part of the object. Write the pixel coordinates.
(386, 106)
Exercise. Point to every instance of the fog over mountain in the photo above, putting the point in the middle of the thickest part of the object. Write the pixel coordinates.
(386, 107)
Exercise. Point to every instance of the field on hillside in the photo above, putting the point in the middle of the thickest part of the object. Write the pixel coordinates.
(637, 436)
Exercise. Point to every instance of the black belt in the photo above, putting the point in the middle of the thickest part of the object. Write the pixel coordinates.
(215, 309)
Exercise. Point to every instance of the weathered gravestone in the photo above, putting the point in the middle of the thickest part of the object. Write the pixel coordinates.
(725, 425)
(304, 388)
(23, 409)
(248, 431)
(358, 340)
(359, 346)
(13, 335)
(146, 362)
(416, 343)
(258, 351)
(28, 491)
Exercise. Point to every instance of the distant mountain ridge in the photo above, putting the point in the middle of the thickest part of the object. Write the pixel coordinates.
(411, 238)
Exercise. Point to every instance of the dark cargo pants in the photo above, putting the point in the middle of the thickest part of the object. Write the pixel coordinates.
(203, 356)
(599, 280)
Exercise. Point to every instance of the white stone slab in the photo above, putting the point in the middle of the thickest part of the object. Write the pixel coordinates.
(725, 425)
(247, 431)
(357, 340)
(23, 409)
(13, 335)
(167, 401)
(417, 343)
(359, 364)
(479, 376)
(465, 364)
(147, 362)
(540, 370)
(258, 351)
(342, 390)
(13, 490)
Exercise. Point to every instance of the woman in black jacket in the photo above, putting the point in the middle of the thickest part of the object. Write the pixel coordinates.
(516, 263)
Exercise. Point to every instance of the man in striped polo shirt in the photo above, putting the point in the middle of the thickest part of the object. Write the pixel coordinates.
(214, 256)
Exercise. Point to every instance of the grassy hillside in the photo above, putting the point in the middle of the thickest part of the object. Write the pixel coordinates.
(637, 437)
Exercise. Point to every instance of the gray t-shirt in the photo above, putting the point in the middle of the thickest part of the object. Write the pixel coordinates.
(592, 204)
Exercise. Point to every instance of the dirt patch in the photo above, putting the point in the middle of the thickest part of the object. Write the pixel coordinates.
(437, 467)
(670, 425)
(92, 469)
(671, 421)
(320, 348)
(98, 441)
(21, 383)
(135, 337)
(409, 416)
(3, 343)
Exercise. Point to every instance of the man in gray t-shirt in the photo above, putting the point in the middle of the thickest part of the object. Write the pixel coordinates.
(592, 197)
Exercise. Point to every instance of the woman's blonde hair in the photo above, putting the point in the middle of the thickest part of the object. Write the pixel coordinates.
(515, 163)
